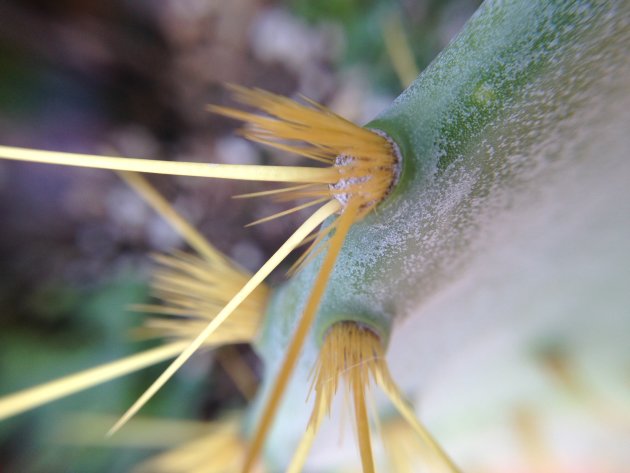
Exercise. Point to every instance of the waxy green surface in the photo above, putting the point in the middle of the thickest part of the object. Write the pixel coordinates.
(477, 129)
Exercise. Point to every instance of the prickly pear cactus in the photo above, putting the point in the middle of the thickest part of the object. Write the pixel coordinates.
(504, 201)
(477, 230)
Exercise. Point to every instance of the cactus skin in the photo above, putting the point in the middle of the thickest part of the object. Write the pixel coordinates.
(475, 130)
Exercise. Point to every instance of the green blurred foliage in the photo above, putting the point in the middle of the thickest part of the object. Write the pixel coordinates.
(94, 329)
(363, 24)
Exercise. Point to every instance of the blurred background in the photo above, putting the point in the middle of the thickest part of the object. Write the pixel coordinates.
(133, 78)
